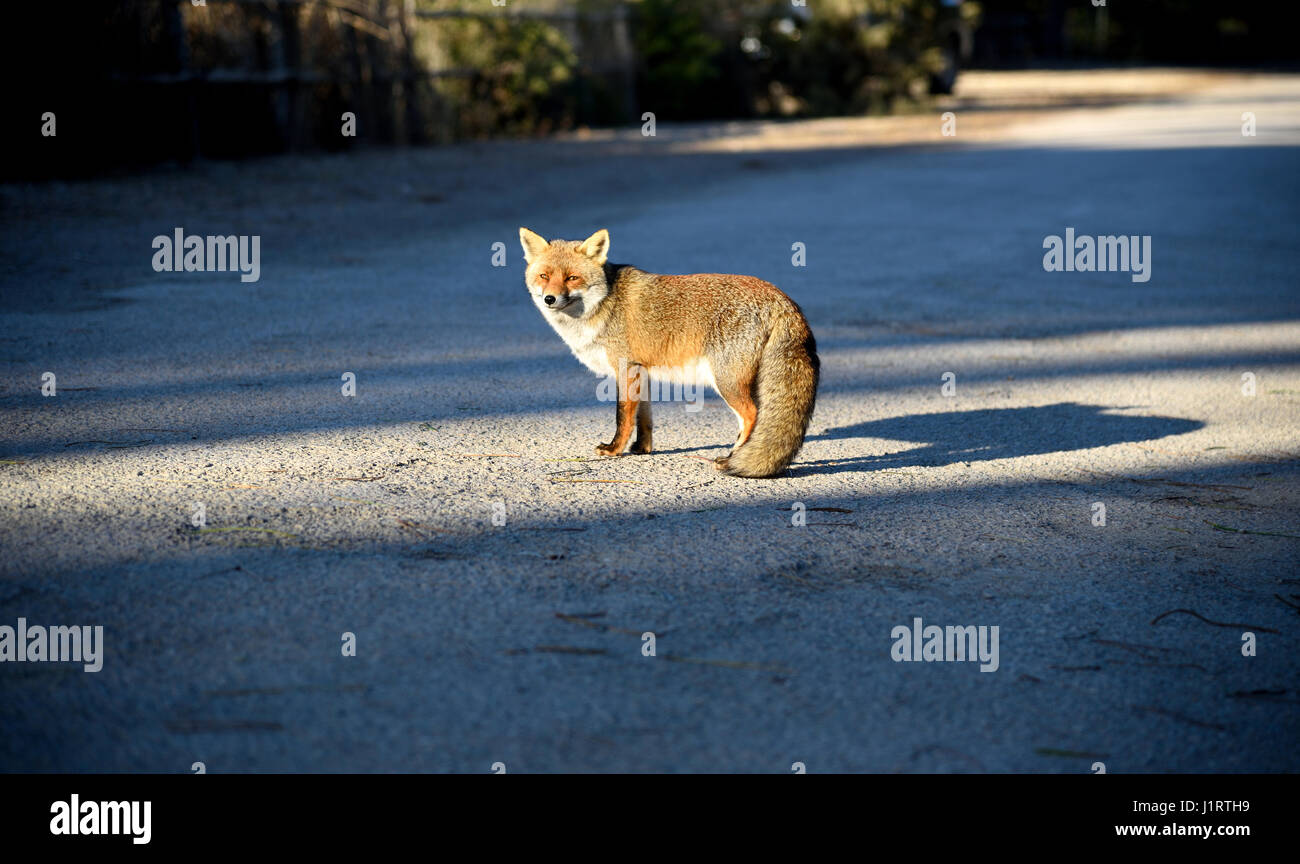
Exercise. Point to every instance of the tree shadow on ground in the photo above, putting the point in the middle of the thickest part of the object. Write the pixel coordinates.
(994, 433)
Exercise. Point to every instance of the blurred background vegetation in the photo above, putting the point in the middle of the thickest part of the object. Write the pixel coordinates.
(137, 82)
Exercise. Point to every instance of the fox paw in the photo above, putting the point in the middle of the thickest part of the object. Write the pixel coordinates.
(722, 464)
(608, 450)
(642, 447)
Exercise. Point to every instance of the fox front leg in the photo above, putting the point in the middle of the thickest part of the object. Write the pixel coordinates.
(626, 411)
(625, 419)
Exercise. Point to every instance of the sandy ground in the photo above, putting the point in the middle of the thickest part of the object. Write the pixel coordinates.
(521, 642)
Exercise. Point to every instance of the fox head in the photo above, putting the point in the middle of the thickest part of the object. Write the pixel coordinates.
(565, 276)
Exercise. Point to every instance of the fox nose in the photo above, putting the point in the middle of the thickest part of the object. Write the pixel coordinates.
(550, 299)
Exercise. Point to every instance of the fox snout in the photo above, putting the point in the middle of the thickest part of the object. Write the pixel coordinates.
(556, 298)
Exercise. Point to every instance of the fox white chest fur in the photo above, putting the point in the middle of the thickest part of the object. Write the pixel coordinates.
(581, 337)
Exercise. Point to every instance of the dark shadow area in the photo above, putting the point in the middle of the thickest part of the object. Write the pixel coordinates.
(995, 433)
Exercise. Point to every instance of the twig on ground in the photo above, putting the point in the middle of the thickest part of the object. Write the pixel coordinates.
(568, 649)
(1195, 614)
(729, 664)
(1287, 602)
(1190, 485)
(1246, 531)
(1165, 712)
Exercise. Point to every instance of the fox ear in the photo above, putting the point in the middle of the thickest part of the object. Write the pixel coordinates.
(534, 244)
(596, 246)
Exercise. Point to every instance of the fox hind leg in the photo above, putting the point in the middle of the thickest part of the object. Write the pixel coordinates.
(737, 392)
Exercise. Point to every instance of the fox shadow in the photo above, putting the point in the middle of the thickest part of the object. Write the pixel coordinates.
(994, 433)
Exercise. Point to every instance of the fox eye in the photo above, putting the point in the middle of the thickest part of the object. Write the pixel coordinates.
(571, 279)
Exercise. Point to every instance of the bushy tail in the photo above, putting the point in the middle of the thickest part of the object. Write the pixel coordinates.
(786, 389)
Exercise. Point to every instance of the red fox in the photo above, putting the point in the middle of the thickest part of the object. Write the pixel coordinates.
(738, 334)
